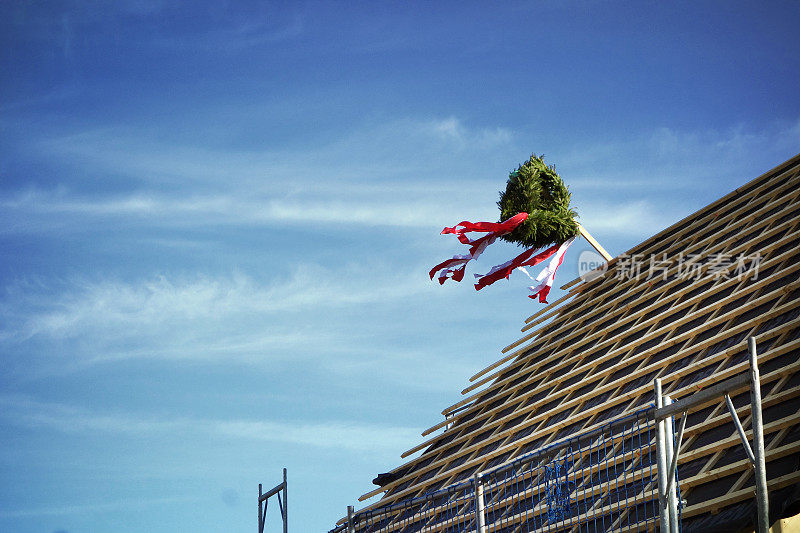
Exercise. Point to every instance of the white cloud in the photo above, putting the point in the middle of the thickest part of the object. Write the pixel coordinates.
(232, 318)
(340, 434)
(452, 129)
(374, 207)
(398, 173)
(383, 175)
(667, 159)
(624, 218)
(106, 506)
(413, 149)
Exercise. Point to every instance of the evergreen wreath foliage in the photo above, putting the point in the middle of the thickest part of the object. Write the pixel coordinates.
(537, 189)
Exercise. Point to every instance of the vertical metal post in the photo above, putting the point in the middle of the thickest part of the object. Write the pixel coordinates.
(285, 504)
(480, 517)
(661, 450)
(671, 493)
(762, 494)
(260, 513)
(351, 527)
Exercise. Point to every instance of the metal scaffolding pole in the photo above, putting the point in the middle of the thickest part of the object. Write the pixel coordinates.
(666, 410)
(480, 517)
(671, 454)
(263, 502)
(661, 455)
(260, 510)
(351, 527)
(285, 504)
(762, 494)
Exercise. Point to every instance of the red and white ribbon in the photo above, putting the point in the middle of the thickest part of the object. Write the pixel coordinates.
(498, 228)
(548, 274)
(526, 258)
(454, 268)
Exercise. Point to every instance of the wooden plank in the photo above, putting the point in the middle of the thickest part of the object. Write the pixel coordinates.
(716, 504)
(604, 487)
(781, 170)
(638, 474)
(746, 222)
(658, 332)
(621, 381)
(766, 378)
(716, 222)
(596, 245)
(624, 289)
(725, 417)
(662, 363)
(704, 294)
(712, 290)
(674, 295)
(739, 466)
(713, 392)
(723, 444)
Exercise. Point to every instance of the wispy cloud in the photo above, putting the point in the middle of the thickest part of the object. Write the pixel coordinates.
(36, 210)
(390, 174)
(370, 152)
(454, 130)
(624, 218)
(234, 318)
(668, 159)
(341, 434)
(245, 34)
(81, 509)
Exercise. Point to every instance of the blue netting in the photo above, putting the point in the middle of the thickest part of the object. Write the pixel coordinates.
(602, 480)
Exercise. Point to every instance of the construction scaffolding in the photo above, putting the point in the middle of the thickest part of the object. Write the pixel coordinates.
(601, 480)
(281, 489)
(707, 284)
(621, 476)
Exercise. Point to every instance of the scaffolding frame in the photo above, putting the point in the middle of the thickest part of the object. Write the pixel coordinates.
(591, 481)
(263, 502)
(469, 497)
(668, 445)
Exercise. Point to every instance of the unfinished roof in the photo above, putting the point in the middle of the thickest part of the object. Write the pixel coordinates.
(592, 356)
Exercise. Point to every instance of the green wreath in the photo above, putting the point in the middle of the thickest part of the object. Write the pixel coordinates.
(537, 189)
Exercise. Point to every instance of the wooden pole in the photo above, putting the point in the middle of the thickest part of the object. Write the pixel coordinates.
(596, 245)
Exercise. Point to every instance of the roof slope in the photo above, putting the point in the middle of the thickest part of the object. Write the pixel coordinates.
(598, 349)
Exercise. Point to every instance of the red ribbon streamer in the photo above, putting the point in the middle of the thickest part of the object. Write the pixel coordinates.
(500, 228)
(454, 267)
(504, 271)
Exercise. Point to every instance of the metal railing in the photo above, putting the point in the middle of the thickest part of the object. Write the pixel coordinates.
(595, 481)
(619, 476)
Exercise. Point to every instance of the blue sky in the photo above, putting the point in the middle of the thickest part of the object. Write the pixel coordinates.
(216, 221)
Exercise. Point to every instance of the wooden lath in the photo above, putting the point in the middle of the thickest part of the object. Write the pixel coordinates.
(766, 378)
(544, 395)
(748, 190)
(712, 340)
(567, 361)
(558, 357)
(626, 288)
(716, 223)
(611, 355)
